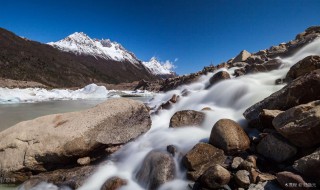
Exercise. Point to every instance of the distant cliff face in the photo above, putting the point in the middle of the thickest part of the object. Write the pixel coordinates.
(22, 59)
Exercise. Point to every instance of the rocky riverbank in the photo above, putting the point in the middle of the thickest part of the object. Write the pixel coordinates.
(276, 147)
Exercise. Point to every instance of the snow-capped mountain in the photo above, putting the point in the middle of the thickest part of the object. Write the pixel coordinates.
(81, 44)
(160, 69)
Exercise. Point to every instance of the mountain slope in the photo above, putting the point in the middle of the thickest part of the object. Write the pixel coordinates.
(22, 59)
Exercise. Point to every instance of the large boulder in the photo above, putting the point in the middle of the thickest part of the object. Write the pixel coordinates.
(265, 67)
(303, 67)
(229, 136)
(309, 166)
(300, 124)
(242, 56)
(276, 148)
(57, 141)
(157, 168)
(200, 158)
(302, 90)
(114, 183)
(266, 117)
(187, 118)
(219, 76)
(215, 177)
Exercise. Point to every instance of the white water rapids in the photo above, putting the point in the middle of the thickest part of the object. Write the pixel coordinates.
(227, 99)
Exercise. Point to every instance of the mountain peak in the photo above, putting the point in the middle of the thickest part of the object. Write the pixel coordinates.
(81, 44)
(158, 68)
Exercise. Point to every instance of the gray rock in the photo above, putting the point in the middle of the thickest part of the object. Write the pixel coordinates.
(157, 168)
(276, 148)
(309, 166)
(229, 136)
(300, 124)
(187, 118)
(302, 90)
(215, 177)
(54, 141)
(200, 158)
(242, 178)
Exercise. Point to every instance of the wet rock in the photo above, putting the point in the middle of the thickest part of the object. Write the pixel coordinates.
(236, 162)
(239, 72)
(84, 161)
(309, 166)
(57, 141)
(157, 168)
(172, 150)
(242, 178)
(206, 109)
(276, 148)
(174, 98)
(241, 57)
(266, 117)
(300, 91)
(114, 183)
(29, 184)
(187, 118)
(73, 178)
(215, 177)
(300, 124)
(219, 76)
(262, 177)
(200, 158)
(229, 136)
(285, 178)
(303, 67)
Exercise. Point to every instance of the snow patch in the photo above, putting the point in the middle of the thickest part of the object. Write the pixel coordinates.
(160, 68)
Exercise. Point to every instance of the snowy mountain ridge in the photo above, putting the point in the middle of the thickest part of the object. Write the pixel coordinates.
(81, 44)
(158, 68)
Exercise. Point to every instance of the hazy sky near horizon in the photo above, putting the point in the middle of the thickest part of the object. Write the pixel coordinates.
(196, 33)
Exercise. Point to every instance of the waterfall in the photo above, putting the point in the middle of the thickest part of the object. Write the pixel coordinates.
(227, 99)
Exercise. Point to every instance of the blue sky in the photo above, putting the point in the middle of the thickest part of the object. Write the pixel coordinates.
(197, 32)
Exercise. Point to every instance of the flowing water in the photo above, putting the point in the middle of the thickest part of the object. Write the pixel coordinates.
(227, 99)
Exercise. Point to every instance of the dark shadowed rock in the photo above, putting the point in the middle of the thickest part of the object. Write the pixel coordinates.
(200, 158)
(157, 168)
(73, 178)
(276, 148)
(215, 177)
(268, 185)
(303, 67)
(309, 166)
(265, 67)
(58, 141)
(285, 178)
(302, 90)
(187, 118)
(300, 124)
(219, 76)
(229, 136)
(266, 117)
(114, 183)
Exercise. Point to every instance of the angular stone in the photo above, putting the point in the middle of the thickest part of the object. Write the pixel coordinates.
(276, 148)
(303, 67)
(300, 124)
(200, 158)
(215, 177)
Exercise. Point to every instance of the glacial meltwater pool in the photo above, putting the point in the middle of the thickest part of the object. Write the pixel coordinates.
(10, 114)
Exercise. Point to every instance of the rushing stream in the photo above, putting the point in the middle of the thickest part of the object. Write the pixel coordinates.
(227, 99)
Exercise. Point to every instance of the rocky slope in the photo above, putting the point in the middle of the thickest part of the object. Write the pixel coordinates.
(25, 60)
